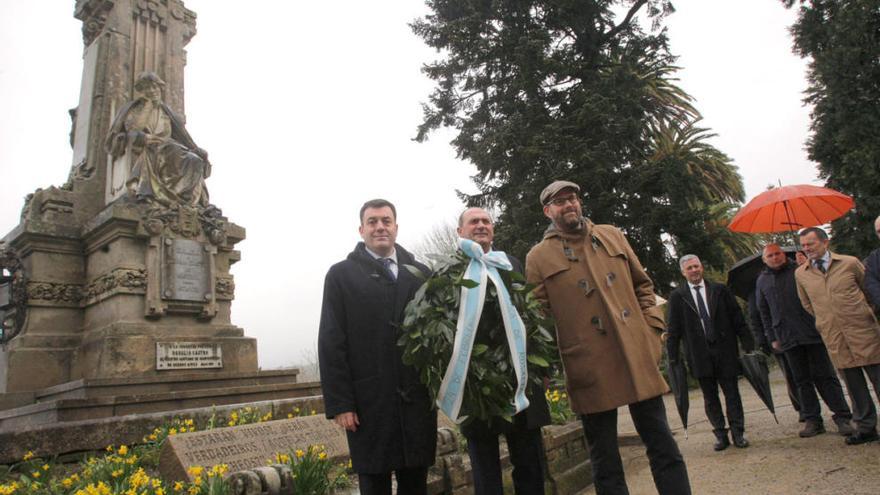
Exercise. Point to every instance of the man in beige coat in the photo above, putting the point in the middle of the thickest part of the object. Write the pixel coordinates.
(831, 288)
(609, 332)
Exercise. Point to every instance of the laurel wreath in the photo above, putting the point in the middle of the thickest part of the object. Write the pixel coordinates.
(428, 333)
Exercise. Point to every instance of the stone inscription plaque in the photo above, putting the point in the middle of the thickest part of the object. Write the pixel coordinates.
(249, 446)
(187, 271)
(188, 355)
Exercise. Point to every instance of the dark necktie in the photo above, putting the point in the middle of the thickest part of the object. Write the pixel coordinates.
(820, 264)
(386, 264)
(704, 315)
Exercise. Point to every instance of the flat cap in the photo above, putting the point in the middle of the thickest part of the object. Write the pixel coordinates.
(556, 186)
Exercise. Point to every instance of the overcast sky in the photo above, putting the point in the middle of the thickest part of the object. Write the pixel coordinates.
(308, 109)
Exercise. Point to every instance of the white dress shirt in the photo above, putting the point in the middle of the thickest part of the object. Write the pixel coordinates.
(392, 257)
(702, 290)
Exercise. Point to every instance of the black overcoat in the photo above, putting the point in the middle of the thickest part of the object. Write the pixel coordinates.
(872, 278)
(784, 318)
(722, 358)
(361, 366)
(535, 416)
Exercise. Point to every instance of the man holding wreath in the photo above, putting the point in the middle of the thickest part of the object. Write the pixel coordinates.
(523, 435)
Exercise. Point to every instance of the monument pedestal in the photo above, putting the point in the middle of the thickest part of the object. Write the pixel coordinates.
(115, 288)
(101, 303)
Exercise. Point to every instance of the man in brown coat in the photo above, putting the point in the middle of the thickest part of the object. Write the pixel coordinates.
(831, 288)
(609, 332)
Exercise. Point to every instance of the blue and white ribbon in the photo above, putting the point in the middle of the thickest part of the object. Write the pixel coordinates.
(482, 267)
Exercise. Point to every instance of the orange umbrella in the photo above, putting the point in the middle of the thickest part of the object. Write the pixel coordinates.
(790, 208)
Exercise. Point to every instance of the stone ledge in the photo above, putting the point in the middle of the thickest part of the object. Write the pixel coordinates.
(185, 379)
(66, 410)
(92, 435)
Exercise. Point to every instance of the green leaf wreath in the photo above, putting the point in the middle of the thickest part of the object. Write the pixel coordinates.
(429, 328)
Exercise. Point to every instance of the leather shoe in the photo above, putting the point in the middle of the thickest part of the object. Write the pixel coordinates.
(811, 429)
(861, 437)
(721, 442)
(844, 427)
(739, 440)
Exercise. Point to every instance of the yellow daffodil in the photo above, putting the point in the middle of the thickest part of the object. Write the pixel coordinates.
(123, 450)
(178, 485)
(300, 453)
(28, 456)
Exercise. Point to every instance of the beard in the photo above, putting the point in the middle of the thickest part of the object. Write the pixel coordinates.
(568, 220)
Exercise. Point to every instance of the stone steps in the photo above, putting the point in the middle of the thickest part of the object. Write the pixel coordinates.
(95, 399)
(110, 387)
(69, 439)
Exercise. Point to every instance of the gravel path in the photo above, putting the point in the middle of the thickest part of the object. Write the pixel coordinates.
(777, 462)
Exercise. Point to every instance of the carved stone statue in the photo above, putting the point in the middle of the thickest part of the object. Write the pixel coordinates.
(163, 162)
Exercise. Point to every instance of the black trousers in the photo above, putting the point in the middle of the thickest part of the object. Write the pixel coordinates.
(790, 385)
(812, 370)
(864, 412)
(409, 481)
(526, 454)
(732, 401)
(667, 464)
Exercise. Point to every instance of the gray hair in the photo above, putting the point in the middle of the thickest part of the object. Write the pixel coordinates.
(684, 259)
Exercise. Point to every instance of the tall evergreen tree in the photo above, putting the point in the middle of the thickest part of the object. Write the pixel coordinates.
(565, 89)
(842, 41)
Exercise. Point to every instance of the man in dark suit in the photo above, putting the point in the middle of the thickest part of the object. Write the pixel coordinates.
(524, 434)
(387, 413)
(707, 317)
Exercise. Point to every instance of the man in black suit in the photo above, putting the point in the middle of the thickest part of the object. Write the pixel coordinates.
(386, 411)
(524, 434)
(707, 317)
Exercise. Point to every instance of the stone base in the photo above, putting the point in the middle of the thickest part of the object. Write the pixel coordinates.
(129, 350)
(106, 398)
(69, 440)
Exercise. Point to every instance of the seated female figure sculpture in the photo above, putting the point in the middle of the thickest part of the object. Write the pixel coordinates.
(165, 164)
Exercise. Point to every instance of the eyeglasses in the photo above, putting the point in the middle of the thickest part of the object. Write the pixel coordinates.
(573, 199)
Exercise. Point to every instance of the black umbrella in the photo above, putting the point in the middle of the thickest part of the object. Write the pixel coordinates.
(755, 370)
(744, 273)
(678, 383)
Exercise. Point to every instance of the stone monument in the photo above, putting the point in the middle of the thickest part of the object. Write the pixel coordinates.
(118, 282)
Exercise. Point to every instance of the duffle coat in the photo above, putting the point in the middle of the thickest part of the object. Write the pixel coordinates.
(362, 369)
(843, 317)
(608, 325)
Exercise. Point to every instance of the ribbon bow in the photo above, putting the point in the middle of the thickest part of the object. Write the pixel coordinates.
(482, 267)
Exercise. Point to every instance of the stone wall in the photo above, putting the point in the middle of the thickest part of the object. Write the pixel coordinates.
(568, 468)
